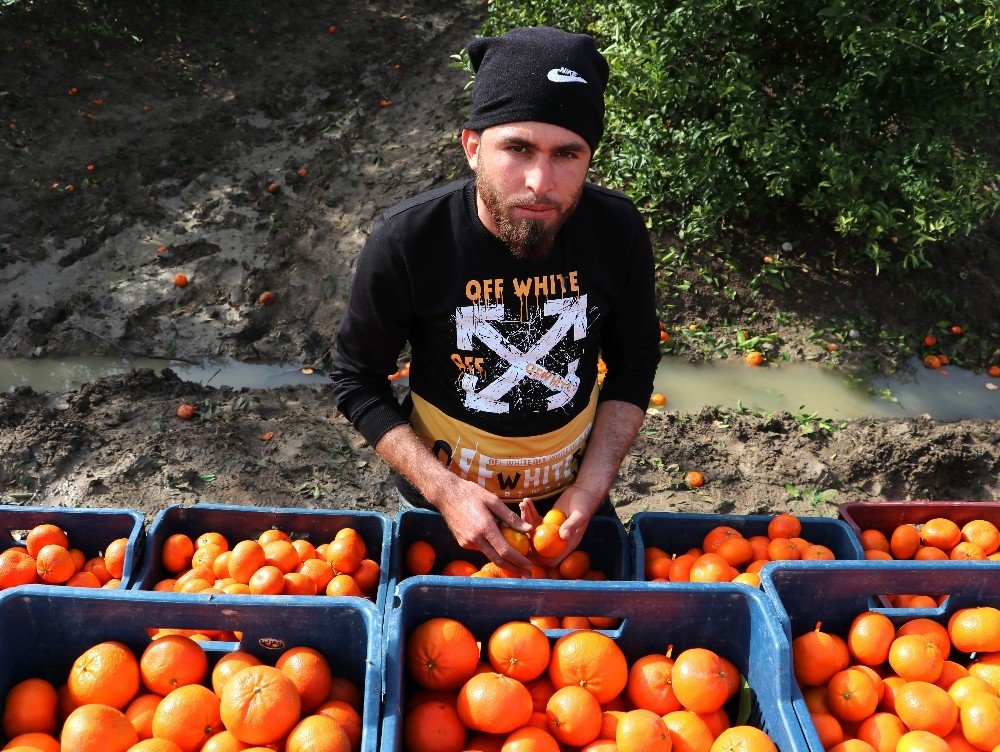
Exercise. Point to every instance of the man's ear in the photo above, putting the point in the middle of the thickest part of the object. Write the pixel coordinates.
(470, 144)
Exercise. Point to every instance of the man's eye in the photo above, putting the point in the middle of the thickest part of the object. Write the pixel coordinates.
(516, 148)
(567, 155)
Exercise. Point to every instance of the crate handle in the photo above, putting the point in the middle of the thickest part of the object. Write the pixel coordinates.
(877, 603)
(217, 637)
(611, 630)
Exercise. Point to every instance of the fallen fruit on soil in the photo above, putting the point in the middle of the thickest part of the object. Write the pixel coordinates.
(694, 479)
(932, 362)
(273, 187)
(754, 358)
(658, 400)
(185, 411)
(267, 298)
(180, 280)
(302, 172)
(994, 372)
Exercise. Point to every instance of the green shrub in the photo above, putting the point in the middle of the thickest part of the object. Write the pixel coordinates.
(869, 117)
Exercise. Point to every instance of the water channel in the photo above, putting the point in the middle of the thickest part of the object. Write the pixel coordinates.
(803, 388)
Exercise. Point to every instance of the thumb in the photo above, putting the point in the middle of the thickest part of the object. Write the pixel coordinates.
(569, 527)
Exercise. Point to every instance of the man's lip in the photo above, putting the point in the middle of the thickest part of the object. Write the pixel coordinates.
(535, 208)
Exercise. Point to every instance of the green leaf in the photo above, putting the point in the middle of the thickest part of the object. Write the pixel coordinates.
(746, 703)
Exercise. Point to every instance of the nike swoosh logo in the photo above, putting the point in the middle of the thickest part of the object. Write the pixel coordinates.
(557, 77)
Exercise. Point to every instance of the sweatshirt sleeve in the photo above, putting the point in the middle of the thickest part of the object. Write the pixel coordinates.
(630, 336)
(375, 328)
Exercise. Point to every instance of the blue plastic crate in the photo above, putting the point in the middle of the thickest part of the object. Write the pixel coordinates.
(605, 541)
(805, 592)
(43, 630)
(90, 530)
(735, 621)
(675, 533)
(238, 523)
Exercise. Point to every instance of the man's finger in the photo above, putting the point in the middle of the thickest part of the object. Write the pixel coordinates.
(511, 557)
(508, 516)
(483, 545)
(529, 513)
(569, 527)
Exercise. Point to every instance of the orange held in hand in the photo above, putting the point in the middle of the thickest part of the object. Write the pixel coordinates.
(547, 542)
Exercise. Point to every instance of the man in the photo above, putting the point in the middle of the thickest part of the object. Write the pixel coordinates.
(507, 286)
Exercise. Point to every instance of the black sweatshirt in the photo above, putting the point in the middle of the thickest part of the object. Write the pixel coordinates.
(503, 375)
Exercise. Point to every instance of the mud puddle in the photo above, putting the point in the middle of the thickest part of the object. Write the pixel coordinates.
(807, 389)
(70, 373)
(798, 388)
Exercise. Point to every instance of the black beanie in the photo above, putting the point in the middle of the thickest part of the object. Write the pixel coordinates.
(542, 74)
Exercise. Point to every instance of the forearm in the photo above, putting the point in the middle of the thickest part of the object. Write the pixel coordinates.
(405, 453)
(616, 425)
(471, 512)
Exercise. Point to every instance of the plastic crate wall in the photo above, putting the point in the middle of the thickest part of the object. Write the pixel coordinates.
(90, 530)
(804, 593)
(675, 533)
(734, 620)
(43, 630)
(886, 516)
(237, 523)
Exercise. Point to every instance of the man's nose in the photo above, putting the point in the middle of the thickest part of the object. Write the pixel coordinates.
(538, 177)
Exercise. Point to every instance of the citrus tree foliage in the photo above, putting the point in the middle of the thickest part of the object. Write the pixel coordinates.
(871, 117)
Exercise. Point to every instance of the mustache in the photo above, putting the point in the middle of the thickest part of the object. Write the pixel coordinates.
(536, 202)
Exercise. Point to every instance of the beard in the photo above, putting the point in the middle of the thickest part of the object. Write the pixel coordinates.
(526, 238)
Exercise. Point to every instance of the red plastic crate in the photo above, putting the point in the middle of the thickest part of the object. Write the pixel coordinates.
(886, 516)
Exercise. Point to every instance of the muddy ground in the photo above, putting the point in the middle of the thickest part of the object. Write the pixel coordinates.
(186, 128)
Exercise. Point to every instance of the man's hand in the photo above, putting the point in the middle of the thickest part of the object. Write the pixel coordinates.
(579, 505)
(472, 514)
